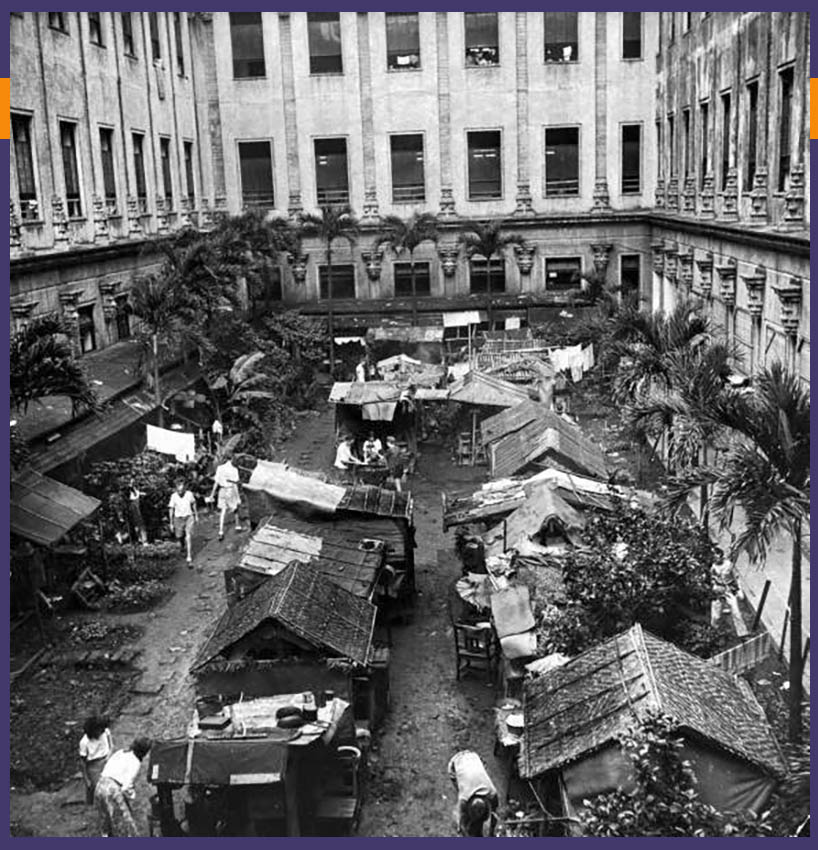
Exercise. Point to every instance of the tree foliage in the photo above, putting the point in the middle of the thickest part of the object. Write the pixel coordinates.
(487, 239)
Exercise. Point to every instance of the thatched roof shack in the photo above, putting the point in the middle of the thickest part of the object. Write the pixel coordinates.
(575, 713)
(482, 390)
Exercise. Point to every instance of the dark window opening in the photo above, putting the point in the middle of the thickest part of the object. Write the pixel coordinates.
(167, 183)
(561, 36)
(562, 161)
(247, 40)
(331, 178)
(403, 279)
(785, 130)
(487, 277)
(265, 290)
(191, 185)
(563, 273)
(68, 143)
(631, 35)
(752, 134)
(139, 171)
(485, 167)
(686, 163)
(482, 39)
(106, 146)
(57, 21)
(180, 52)
(123, 318)
(705, 139)
(408, 182)
(725, 139)
(256, 166)
(402, 41)
(153, 23)
(127, 33)
(688, 21)
(95, 29)
(324, 34)
(631, 159)
(629, 282)
(24, 160)
(672, 26)
(660, 154)
(87, 331)
(343, 282)
(671, 145)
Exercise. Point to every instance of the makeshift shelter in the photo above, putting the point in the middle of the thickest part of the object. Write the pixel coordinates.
(243, 775)
(353, 563)
(297, 631)
(483, 390)
(531, 435)
(532, 372)
(380, 407)
(575, 713)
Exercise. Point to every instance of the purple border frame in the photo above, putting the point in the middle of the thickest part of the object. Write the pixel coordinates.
(301, 843)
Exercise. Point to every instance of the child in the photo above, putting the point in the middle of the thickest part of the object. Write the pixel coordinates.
(183, 515)
(96, 746)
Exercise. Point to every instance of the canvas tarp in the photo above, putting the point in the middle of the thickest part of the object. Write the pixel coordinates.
(511, 611)
(290, 487)
(463, 318)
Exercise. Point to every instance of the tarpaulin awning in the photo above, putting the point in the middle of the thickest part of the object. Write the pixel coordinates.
(397, 361)
(379, 412)
(346, 340)
(430, 333)
(288, 486)
(461, 319)
(43, 510)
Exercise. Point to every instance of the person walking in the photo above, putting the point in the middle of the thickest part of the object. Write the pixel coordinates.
(114, 795)
(477, 798)
(183, 516)
(226, 482)
(394, 463)
(135, 509)
(96, 746)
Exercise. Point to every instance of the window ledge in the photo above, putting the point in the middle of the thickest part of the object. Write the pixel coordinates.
(482, 67)
(327, 74)
(57, 29)
(485, 200)
(101, 46)
(32, 222)
(78, 219)
(403, 70)
(561, 61)
(132, 56)
(561, 196)
(633, 58)
(242, 79)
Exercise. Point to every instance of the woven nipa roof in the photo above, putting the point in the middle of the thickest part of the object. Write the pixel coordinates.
(588, 703)
(306, 603)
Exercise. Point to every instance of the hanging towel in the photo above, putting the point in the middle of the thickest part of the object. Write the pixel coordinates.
(588, 358)
(177, 443)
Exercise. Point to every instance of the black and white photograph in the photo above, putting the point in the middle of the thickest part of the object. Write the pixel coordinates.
(409, 424)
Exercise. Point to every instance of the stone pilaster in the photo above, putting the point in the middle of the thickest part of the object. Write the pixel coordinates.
(671, 255)
(524, 207)
(707, 209)
(790, 295)
(448, 259)
(69, 299)
(373, 263)
(657, 250)
(161, 215)
(444, 116)
(184, 213)
(660, 193)
(371, 213)
(689, 195)
(59, 222)
(602, 255)
(794, 201)
(602, 199)
(285, 40)
(729, 197)
(525, 258)
(214, 115)
(15, 241)
(100, 216)
(705, 265)
(759, 213)
(672, 201)
(684, 267)
(754, 284)
(134, 225)
(727, 282)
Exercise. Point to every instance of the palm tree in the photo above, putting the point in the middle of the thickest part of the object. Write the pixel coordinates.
(42, 364)
(335, 222)
(406, 235)
(487, 239)
(765, 474)
(236, 391)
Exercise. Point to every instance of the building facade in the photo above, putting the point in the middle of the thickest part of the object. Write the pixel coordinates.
(583, 130)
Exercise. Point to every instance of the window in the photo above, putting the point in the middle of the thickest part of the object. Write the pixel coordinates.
(725, 138)
(485, 276)
(686, 164)
(331, 180)
(631, 35)
(672, 26)
(671, 145)
(24, 159)
(752, 133)
(127, 33)
(785, 130)
(482, 42)
(247, 39)
(631, 159)
(561, 40)
(256, 167)
(408, 184)
(106, 146)
(68, 143)
(191, 184)
(659, 151)
(87, 331)
(343, 282)
(139, 171)
(167, 183)
(561, 161)
(485, 170)
(403, 279)
(123, 318)
(180, 52)
(95, 29)
(704, 111)
(402, 41)
(562, 273)
(324, 33)
(57, 21)
(629, 282)
(153, 23)
(688, 21)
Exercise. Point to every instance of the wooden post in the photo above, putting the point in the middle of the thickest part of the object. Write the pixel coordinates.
(473, 438)
(505, 536)
(784, 634)
(805, 653)
(291, 798)
(761, 602)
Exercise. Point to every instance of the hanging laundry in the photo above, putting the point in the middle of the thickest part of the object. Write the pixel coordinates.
(179, 444)
(588, 358)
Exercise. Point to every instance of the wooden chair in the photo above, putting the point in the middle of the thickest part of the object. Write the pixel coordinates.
(340, 804)
(475, 649)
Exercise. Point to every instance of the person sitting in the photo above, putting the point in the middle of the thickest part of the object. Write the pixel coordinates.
(372, 450)
(477, 798)
(344, 457)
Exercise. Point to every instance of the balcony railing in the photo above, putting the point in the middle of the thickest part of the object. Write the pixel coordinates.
(408, 194)
(328, 197)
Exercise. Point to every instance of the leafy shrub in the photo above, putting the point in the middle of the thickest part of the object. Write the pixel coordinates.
(567, 630)
(138, 596)
(141, 570)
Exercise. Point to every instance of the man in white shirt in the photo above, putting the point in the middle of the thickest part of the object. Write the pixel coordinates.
(477, 797)
(182, 513)
(115, 790)
(226, 481)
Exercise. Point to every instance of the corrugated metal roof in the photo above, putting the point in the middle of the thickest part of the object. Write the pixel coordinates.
(480, 389)
(43, 510)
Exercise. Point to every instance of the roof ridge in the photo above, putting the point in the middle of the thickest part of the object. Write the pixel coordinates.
(642, 649)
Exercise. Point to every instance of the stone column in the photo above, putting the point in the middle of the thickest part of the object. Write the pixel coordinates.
(444, 116)
(602, 198)
(759, 209)
(524, 207)
(60, 222)
(285, 38)
(755, 285)
(370, 211)
(100, 216)
(68, 302)
(15, 242)
(214, 115)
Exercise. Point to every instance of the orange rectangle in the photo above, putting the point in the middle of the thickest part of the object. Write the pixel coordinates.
(813, 108)
(5, 107)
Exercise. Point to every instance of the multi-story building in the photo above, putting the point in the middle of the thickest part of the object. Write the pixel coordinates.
(617, 141)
